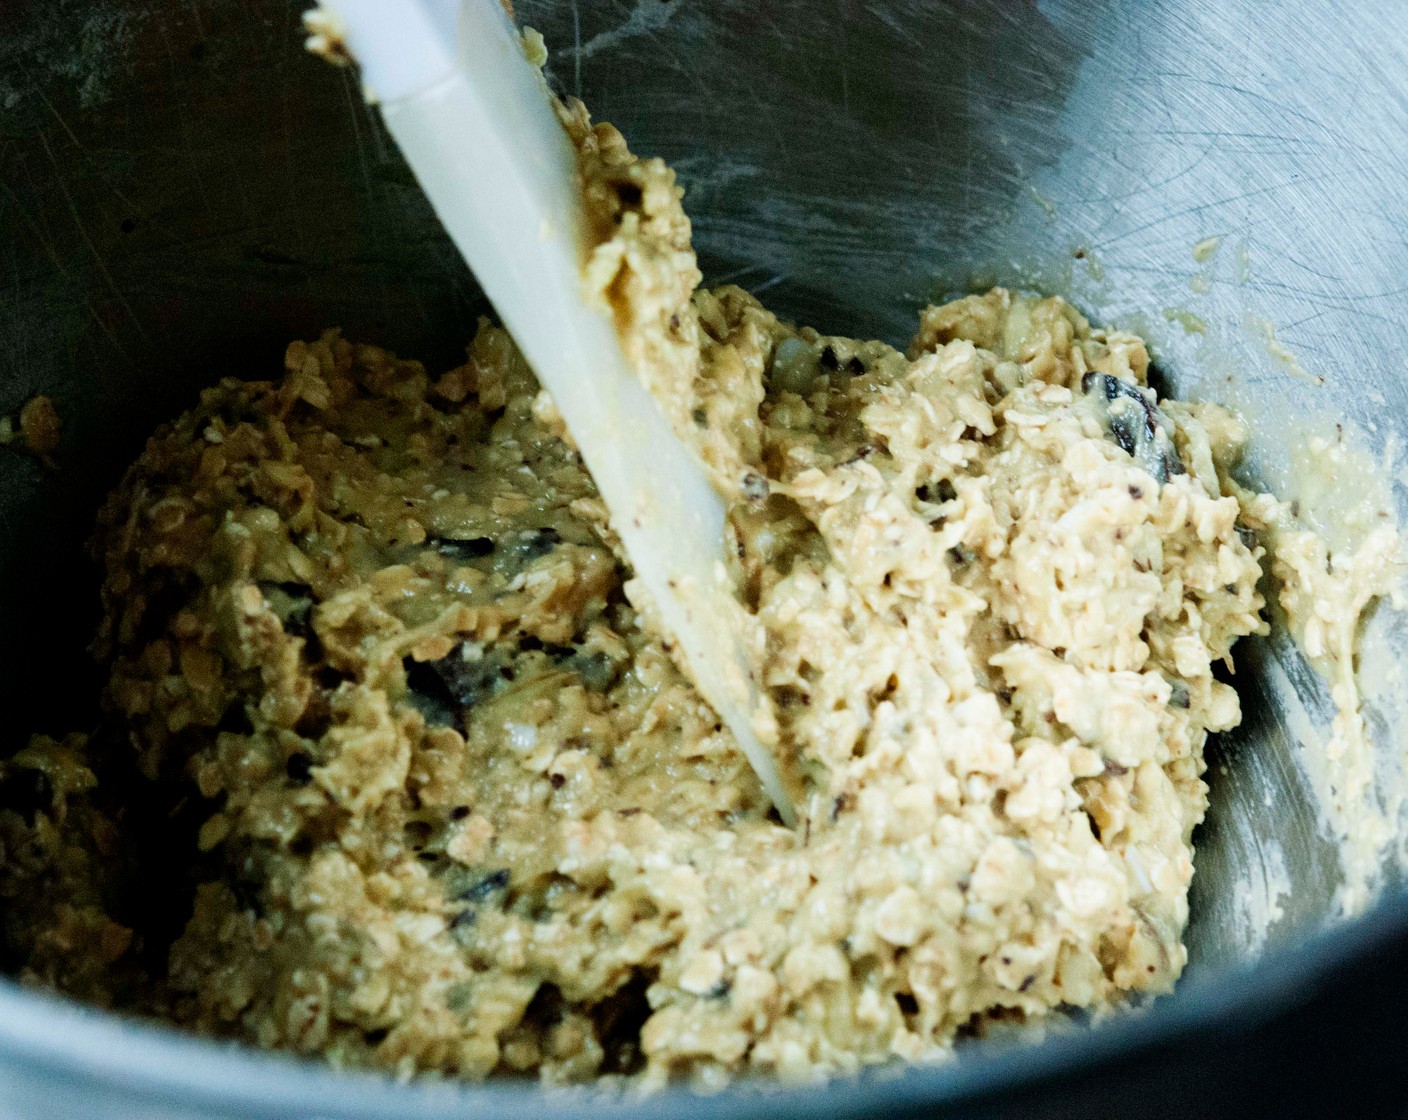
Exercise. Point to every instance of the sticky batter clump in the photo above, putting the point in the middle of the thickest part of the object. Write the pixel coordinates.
(421, 791)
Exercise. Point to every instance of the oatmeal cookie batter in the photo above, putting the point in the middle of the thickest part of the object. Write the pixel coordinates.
(427, 794)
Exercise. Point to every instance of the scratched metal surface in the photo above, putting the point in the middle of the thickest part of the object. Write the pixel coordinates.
(182, 191)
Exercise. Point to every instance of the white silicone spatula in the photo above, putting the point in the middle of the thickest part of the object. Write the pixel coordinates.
(472, 117)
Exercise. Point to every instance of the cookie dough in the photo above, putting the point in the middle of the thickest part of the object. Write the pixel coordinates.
(37, 430)
(396, 771)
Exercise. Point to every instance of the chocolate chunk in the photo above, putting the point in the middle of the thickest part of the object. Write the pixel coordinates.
(1136, 424)
(292, 602)
(531, 544)
(299, 768)
(754, 487)
(475, 548)
(936, 493)
(1178, 694)
(478, 892)
(454, 684)
(597, 670)
(28, 792)
(430, 693)
(618, 1020)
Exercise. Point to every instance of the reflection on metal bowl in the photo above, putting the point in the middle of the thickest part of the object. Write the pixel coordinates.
(184, 191)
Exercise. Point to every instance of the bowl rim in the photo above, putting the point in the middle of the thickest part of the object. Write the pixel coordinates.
(79, 1047)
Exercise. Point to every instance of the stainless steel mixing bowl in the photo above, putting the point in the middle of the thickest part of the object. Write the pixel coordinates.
(184, 191)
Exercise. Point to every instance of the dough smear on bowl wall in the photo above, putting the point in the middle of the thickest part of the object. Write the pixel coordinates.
(433, 797)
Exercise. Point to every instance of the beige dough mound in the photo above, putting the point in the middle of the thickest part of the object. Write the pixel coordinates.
(430, 797)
